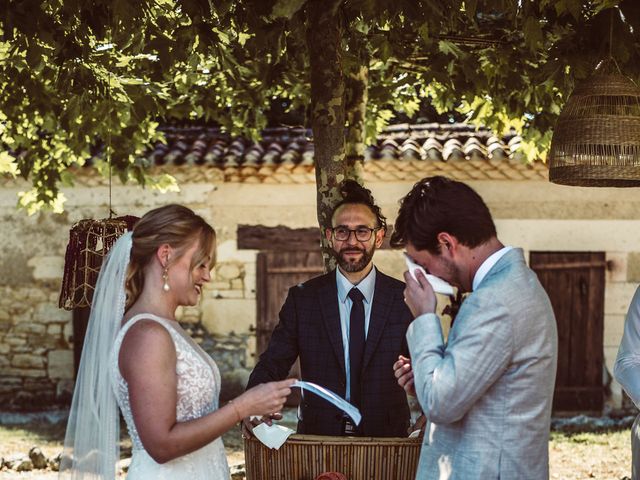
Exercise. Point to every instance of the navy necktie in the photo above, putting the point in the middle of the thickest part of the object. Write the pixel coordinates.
(356, 343)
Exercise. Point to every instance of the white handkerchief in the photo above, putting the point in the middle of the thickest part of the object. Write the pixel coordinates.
(272, 436)
(438, 285)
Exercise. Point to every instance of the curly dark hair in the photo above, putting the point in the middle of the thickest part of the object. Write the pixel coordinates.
(354, 193)
(439, 204)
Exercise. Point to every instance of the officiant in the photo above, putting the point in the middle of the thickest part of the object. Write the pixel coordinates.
(347, 327)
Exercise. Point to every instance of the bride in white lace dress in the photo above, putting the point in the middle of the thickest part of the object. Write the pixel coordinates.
(136, 356)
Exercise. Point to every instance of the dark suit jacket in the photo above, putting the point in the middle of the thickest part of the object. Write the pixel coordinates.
(309, 327)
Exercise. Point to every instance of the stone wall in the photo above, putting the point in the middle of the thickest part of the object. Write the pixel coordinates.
(36, 356)
(36, 359)
(36, 337)
(36, 344)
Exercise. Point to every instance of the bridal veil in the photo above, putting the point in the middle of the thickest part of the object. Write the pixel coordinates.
(91, 447)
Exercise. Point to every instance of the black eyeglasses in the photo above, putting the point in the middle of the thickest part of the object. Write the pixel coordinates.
(363, 234)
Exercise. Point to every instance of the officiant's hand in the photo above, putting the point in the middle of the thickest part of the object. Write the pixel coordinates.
(404, 374)
(249, 423)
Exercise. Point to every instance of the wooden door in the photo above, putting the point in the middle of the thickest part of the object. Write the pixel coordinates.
(575, 285)
(276, 272)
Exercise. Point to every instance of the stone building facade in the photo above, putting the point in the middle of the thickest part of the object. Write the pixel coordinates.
(234, 182)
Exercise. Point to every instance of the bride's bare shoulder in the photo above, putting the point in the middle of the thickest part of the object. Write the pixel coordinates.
(146, 339)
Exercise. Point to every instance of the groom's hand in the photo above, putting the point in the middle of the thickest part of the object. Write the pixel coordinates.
(404, 374)
(418, 294)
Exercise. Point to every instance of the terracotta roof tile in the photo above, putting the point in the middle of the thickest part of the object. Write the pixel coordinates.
(401, 153)
(251, 179)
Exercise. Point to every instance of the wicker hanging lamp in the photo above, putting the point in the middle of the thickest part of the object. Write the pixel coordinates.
(596, 141)
(89, 242)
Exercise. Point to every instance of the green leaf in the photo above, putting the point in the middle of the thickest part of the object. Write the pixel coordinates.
(449, 48)
(572, 7)
(163, 183)
(286, 8)
(8, 164)
(423, 31)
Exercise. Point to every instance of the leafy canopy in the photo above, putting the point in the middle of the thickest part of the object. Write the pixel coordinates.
(83, 79)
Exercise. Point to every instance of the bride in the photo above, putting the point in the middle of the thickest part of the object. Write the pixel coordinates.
(136, 356)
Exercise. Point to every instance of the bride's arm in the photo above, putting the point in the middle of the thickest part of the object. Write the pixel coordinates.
(147, 362)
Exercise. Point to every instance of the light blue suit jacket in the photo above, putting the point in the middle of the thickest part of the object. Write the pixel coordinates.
(487, 392)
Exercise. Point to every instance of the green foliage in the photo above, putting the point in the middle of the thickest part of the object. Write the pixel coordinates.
(80, 80)
(521, 58)
(83, 79)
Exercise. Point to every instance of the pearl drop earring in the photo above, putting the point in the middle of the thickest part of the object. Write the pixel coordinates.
(165, 277)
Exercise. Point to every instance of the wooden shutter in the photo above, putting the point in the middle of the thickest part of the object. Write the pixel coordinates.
(575, 285)
(276, 272)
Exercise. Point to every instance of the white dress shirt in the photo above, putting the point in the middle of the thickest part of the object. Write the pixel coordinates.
(366, 287)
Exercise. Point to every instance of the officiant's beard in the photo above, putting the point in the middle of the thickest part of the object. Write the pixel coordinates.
(352, 266)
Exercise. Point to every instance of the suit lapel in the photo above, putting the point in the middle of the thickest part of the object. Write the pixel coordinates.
(382, 300)
(328, 297)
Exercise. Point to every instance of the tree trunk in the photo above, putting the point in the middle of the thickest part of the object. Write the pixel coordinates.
(324, 43)
(356, 109)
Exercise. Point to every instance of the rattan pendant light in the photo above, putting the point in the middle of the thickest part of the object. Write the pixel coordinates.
(596, 141)
(89, 242)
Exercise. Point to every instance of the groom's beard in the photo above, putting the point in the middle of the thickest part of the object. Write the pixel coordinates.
(452, 274)
(351, 265)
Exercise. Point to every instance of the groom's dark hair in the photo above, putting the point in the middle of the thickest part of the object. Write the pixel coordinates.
(439, 204)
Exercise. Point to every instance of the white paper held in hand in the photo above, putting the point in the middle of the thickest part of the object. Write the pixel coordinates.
(438, 285)
(273, 436)
(331, 397)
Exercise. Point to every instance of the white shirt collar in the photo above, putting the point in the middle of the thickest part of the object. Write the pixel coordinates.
(366, 285)
(488, 265)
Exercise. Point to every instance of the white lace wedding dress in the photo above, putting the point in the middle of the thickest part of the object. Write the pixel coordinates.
(198, 390)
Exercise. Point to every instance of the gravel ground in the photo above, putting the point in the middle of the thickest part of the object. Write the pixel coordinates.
(575, 452)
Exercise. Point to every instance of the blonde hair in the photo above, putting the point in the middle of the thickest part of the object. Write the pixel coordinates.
(175, 225)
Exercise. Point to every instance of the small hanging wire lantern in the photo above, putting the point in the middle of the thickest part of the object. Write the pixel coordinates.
(596, 141)
(89, 242)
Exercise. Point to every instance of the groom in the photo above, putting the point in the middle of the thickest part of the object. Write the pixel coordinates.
(486, 391)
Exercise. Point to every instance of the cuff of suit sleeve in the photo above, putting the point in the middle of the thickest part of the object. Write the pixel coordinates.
(424, 326)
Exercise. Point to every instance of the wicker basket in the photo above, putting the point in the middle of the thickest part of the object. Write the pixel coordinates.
(303, 457)
(596, 141)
